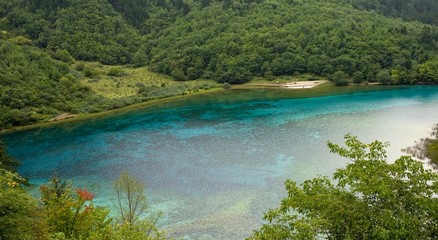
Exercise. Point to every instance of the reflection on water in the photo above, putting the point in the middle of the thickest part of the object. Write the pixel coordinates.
(215, 164)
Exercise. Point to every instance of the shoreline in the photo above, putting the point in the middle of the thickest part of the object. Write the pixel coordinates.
(290, 85)
(68, 117)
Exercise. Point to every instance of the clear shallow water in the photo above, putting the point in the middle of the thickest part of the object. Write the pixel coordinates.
(214, 165)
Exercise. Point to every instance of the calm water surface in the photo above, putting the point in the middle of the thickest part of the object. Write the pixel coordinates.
(215, 164)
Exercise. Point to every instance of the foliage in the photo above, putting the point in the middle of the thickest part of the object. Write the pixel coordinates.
(368, 199)
(148, 15)
(138, 84)
(223, 40)
(233, 43)
(63, 55)
(358, 77)
(421, 10)
(71, 213)
(87, 29)
(19, 215)
(340, 78)
(35, 87)
(67, 213)
(131, 200)
(116, 72)
(428, 72)
(384, 77)
(226, 86)
(142, 230)
(7, 162)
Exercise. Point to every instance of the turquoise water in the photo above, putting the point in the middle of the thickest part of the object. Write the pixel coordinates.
(215, 163)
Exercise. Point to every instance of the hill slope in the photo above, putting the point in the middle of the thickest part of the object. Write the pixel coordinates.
(33, 86)
(411, 10)
(89, 29)
(233, 43)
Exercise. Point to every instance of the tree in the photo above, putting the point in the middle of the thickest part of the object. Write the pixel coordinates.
(7, 162)
(19, 215)
(384, 77)
(428, 72)
(132, 206)
(358, 77)
(368, 199)
(71, 213)
(131, 200)
(339, 78)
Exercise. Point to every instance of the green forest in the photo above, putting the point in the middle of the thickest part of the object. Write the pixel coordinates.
(45, 42)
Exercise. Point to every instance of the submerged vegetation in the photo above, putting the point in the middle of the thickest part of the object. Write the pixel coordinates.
(426, 148)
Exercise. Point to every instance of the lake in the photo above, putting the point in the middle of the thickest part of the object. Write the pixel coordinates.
(215, 163)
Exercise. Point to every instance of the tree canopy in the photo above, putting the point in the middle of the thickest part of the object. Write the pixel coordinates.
(233, 41)
(34, 86)
(368, 199)
(411, 10)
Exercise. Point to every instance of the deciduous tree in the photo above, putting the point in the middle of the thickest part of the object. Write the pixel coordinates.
(368, 199)
(131, 201)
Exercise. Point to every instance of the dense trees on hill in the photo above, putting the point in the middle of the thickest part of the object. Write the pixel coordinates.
(93, 31)
(233, 43)
(33, 86)
(150, 15)
(89, 30)
(420, 10)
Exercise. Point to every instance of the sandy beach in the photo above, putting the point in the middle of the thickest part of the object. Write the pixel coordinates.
(292, 85)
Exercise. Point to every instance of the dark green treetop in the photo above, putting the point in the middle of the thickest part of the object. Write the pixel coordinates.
(368, 199)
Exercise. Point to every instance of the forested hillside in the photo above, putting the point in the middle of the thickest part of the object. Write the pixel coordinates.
(33, 86)
(89, 29)
(233, 43)
(420, 10)
(230, 41)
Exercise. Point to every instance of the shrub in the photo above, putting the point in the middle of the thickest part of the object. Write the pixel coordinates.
(339, 78)
(80, 66)
(116, 72)
(226, 86)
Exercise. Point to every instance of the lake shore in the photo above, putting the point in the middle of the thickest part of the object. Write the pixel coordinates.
(289, 85)
(304, 87)
(68, 117)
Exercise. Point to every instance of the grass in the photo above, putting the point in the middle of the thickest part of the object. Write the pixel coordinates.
(113, 82)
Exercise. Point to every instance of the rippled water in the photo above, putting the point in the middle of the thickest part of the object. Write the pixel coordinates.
(215, 164)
